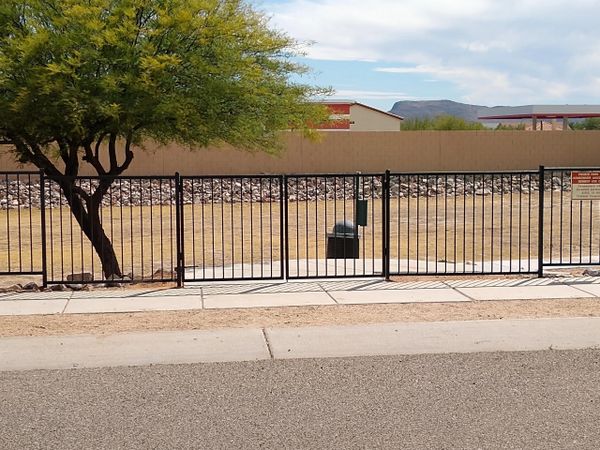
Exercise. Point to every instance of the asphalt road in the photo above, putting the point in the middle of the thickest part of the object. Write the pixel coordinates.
(530, 400)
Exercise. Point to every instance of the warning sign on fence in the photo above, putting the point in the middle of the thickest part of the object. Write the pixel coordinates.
(585, 185)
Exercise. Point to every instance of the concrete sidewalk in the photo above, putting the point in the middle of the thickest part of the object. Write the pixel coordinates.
(131, 349)
(311, 293)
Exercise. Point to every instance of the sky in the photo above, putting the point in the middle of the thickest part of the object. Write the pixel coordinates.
(484, 52)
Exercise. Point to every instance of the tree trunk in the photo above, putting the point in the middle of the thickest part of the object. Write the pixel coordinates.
(102, 245)
(89, 221)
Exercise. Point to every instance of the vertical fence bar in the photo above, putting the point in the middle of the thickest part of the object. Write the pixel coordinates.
(541, 192)
(283, 229)
(43, 226)
(178, 237)
(386, 225)
(285, 220)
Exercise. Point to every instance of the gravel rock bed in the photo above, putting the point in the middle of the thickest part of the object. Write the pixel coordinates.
(142, 192)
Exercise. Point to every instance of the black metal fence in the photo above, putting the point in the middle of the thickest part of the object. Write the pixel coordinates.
(315, 204)
(463, 223)
(138, 215)
(232, 228)
(20, 224)
(571, 231)
(184, 229)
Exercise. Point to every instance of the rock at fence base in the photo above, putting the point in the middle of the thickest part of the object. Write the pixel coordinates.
(591, 273)
(116, 281)
(12, 288)
(75, 287)
(83, 276)
(161, 274)
(31, 286)
(58, 287)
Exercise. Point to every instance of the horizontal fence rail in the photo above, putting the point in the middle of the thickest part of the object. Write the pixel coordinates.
(271, 227)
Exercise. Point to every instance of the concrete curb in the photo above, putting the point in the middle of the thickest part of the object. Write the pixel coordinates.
(184, 347)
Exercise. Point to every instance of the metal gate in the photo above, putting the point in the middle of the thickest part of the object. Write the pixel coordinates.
(463, 223)
(335, 225)
(21, 227)
(232, 228)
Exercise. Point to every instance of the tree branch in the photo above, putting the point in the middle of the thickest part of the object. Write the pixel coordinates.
(128, 154)
(98, 144)
(112, 153)
(92, 157)
(31, 152)
(72, 167)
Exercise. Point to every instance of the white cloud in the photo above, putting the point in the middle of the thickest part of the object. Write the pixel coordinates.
(506, 52)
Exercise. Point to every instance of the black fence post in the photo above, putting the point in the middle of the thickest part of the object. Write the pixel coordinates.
(179, 238)
(386, 225)
(285, 249)
(43, 227)
(541, 191)
(282, 226)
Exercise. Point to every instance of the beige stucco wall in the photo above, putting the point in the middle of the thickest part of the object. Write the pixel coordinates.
(375, 152)
(365, 119)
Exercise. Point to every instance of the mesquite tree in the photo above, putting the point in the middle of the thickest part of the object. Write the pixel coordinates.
(87, 82)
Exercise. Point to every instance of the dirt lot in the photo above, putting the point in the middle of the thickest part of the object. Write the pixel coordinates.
(293, 317)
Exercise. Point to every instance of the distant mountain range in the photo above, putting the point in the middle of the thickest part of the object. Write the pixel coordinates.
(432, 108)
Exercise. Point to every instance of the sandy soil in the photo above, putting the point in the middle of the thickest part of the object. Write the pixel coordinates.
(293, 316)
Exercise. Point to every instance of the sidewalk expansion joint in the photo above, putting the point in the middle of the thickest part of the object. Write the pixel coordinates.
(464, 294)
(268, 344)
(580, 290)
(328, 294)
(67, 303)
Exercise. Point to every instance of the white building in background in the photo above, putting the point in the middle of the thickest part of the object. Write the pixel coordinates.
(349, 115)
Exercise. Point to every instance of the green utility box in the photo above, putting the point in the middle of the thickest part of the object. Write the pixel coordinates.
(361, 212)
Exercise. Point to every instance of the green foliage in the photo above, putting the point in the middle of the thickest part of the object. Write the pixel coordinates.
(591, 123)
(85, 77)
(444, 122)
(75, 72)
(516, 127)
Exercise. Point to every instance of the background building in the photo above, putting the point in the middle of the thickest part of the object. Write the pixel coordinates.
(538, 114)
(349, 115)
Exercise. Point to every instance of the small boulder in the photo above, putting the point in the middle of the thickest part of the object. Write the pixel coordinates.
(58, 287)
(83, 276)
(75, 287)
(31, 286)
(117, 282)
(162, 274)
(12, 288)
(591, 273)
